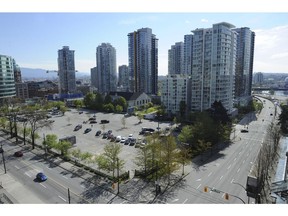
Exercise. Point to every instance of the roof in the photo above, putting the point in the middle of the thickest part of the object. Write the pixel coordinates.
(127, 95)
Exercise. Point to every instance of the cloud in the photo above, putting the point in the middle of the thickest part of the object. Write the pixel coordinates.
(271, 50)
(204, 20)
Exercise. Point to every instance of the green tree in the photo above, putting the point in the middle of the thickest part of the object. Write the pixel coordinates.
(107, 99)
(118, 108)
(108, 107)
(121, 101)
(140, 117)
(3, 122)
(99, 102)
(51, 140)
(283, 119)
(63, 109)
(89, 100)
(63, 146)
(108, 160)
(78, 104)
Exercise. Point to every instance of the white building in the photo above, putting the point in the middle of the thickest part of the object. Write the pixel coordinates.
(106, 68)
(176, 59)
(143, 60)
(175, 90)
(66, 71)
(213, 66)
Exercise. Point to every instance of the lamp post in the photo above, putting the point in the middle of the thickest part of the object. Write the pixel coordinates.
(233, 182)
(2, 152)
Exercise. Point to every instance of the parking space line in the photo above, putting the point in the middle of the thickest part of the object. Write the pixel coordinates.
(62, 198)
(43, 185)
(16, 167)
(65, 177)
(185, 201)
(209, 174)
(198, 186)
(238, 170)
(221, 177)
(27, 174)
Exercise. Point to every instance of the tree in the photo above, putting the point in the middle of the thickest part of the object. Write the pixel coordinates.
(107, 99)
(63, 146)
(283, 119)
(140, 117)
(118, 109)
(219, 113)
(3, 122)
(37, 121)
(51, 141)
(121, 101)
(108, 160)
(89, 100)
(25, 131)
(78, 104)
(108, 107)
(63, 109)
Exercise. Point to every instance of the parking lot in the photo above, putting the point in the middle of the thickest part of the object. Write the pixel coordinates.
(63, 126)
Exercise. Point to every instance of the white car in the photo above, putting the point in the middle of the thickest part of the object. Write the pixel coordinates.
(123, 139)
(118, 138)
(130, 136)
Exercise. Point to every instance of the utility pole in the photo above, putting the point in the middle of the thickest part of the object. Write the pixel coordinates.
(2, 151)
(69, 200)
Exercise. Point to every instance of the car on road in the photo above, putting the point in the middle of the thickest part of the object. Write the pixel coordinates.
(104, 121)
(18, 154)
(41, 177)
(244, 131)
(98, 133)
(78, 127)
(87, 130)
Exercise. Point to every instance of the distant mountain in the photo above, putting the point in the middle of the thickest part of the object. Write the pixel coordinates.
(35, 73)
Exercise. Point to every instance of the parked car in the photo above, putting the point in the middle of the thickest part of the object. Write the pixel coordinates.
(127, 141)
(87, 130)
(123, 139)
(105, 135)
(93, 122)
(104, 121)
(130, 136)
(118, 138)
(92, 119)
(109, 131)
(18, 154)
(98, 133)
(78, 127)
(41, 177)
(132, 141)
(244, 131)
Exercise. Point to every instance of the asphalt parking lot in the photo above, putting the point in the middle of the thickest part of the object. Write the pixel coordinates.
(63, 126)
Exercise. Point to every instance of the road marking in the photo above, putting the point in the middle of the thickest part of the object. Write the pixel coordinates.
(62, 198)
(238, 170)
(209, 174)
(243, 161)
(175, 200)
(198, 186)
(232, 181)
(198, 180)
(223, 195)
(185, 201)
(221, 177)
(65, 177)
(27, 174)
(48, 168)
(239, 153)
(16, 167)
(229, 166)
(43, 185)
(235, 159)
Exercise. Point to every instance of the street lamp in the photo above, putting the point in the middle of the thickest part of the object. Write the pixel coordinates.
(2, 152)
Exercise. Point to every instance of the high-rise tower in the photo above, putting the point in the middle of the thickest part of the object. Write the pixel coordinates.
(176, 59)
(66, 71)
(244, 62)
(7, 81)
(213, 66)
(106, 68)
(143, 60)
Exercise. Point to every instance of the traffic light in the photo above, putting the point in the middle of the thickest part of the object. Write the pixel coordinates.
(205, 189)
(226, 196)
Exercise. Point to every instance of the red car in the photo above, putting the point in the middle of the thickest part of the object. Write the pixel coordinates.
(18, 154)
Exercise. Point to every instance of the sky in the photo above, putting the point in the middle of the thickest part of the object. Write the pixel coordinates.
(33, 36)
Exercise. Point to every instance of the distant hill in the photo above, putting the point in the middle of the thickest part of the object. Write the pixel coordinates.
(36, 73)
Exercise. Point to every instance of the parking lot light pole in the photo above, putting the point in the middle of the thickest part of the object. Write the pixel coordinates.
(118, 175)
(2, 152)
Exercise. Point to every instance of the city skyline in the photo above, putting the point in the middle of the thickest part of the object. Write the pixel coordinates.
(42, 34)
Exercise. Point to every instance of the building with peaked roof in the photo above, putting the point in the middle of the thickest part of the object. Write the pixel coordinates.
(136, 99)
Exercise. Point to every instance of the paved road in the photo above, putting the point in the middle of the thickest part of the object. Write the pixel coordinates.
(226, 170)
